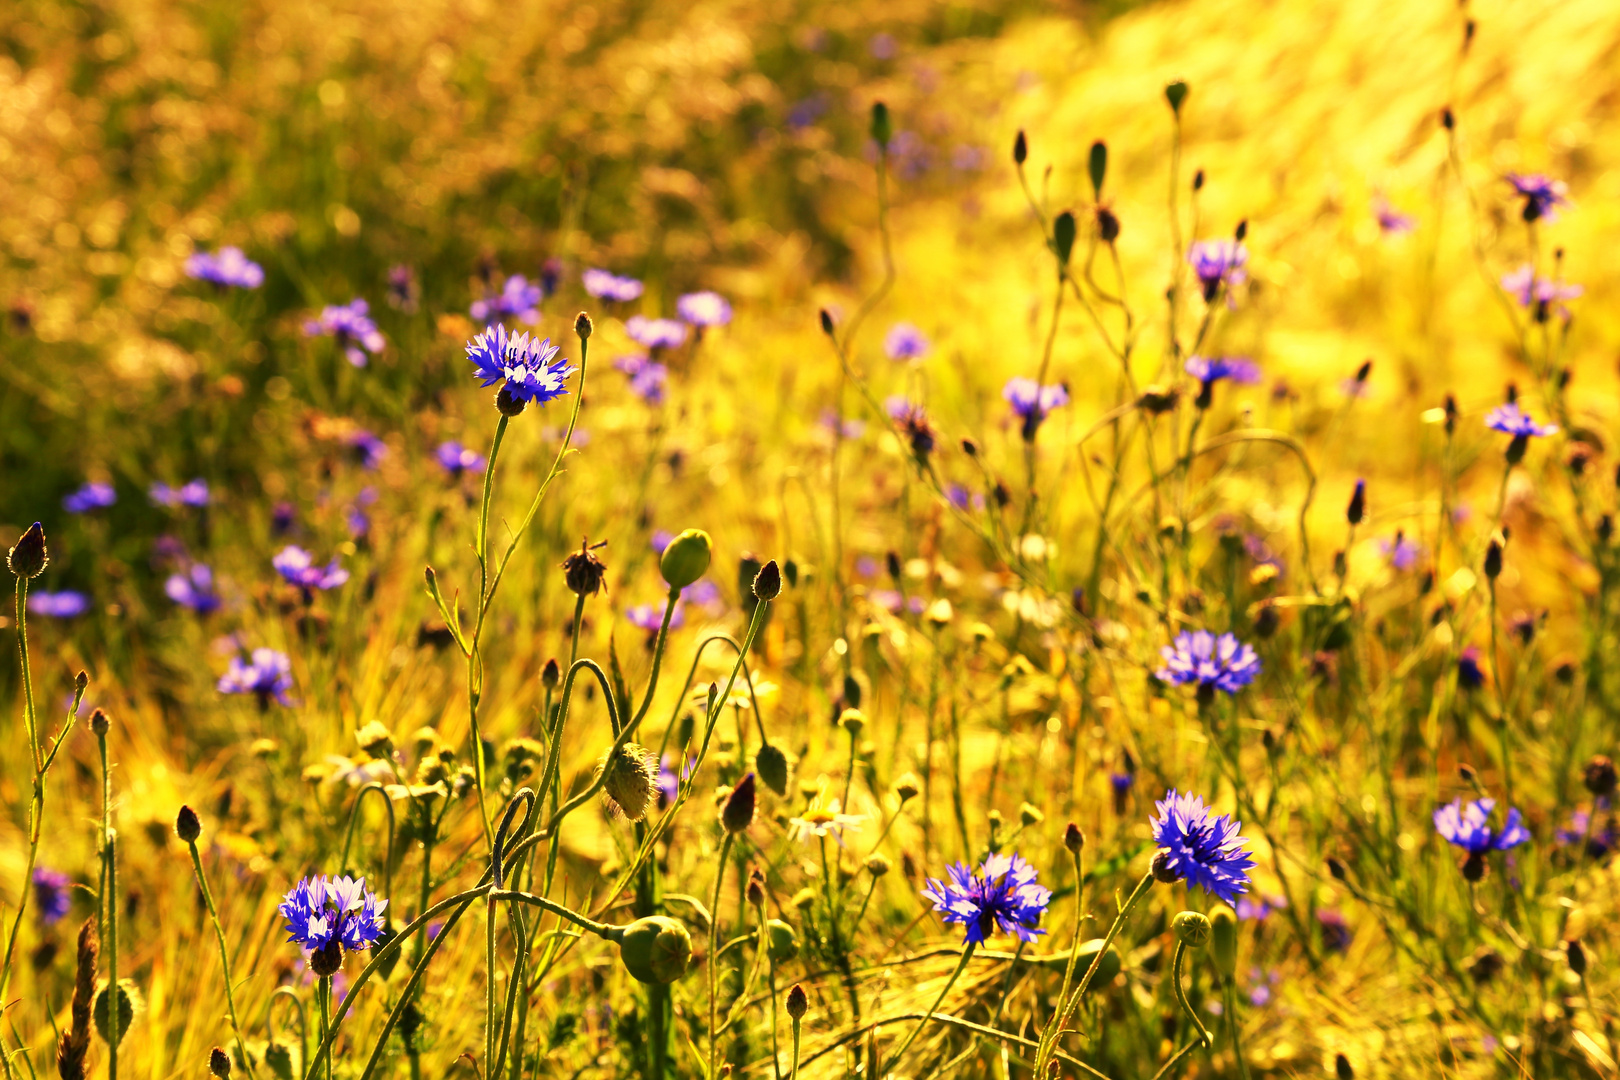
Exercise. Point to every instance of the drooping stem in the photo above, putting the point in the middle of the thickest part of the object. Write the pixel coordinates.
(1181, 994)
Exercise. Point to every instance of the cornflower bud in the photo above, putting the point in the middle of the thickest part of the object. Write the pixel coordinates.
(1073, 838)
(551, 674)
(738, 812)
(583, 572)
(797, 1003)
(29, 557)
(219, 1063)
(826, 322)
(1357, 510)
(877, 864)
(768, 582)
(1575, 954)
(756, 887)
(1493, 556)
(1097, 167)
(1020, 149)
(100, 724)
(1176, 93)
(1600, 777)
(583, 326)
(187, 826)
(1063, 233)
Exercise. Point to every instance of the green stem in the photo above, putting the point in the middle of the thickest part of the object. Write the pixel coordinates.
(109, 849)
(1181, 994)
(1232, 1027)
(961, 966)
(714, 934)
(224, 956)
(1054, 1031)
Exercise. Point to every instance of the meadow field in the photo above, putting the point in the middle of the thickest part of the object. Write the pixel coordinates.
(779, 538)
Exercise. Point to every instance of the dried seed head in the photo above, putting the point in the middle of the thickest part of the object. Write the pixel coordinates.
(630, 779)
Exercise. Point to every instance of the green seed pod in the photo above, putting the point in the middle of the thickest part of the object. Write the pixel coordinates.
(1224, 936)
(772, 765)
(1107, 971)
(686, 558)
(882, 126)
(1192, 929)
(1097, 166)
(129, 1003)
(782, 942)
(1063, 233)
(1175, 93)
(656, 950)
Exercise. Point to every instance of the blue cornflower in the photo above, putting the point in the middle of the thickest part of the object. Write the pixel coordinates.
(1218, 263)
(1542, 294)
(1402, 553)
(321, 910)
(1336, 932)
(912, 420)
(1391, 221)
(351, 327)
(527, 364)
(1468, 826)
(369, 449)
(1212, 663)
(67, 604)
(91, 496)
(1470, 676)
(647, 377)
(52, 898)
(848, 428)
(1201, 846)
(660, 539)
(1542, 195)
(457, 459)
(1001, 894)
(404, 291)
(905, 342)
(650, 617)
(605, 285)
(704, 309)
(655, 333)
(356, 518)
(194, 493)
(268, 676)
(517, 300)
(1032, 401)
(1509, 419)
(298, 567)
(1599, 841)
(227, 267)
(1249, 909)
(193, 589)
(1211, 369)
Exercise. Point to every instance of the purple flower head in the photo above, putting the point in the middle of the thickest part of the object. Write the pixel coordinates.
(1253, 910)
(228, 267)
(193, 493)
(1391, 221)
(91, 496)
(609, 286)
(193, 589)
(905, 342)
(1336, 933)
(647, 377)
(456, 459)
(517, 300)
(1582, 827)
(1002, 894)
(268, 676)
(1218, 263)
(320, 910)
(1402, 553)
(1121, 782)
(650, 617)
(351, 327)
(1542, 195)
(1542, 294)
(66, 604)
(959, 497)
(1509, 419)
(705, 594)
(704, 309)
(1211, 663)
(847, 428)
(527, 364)
(369, 449)
(1468, 826)
(298, 567)
(283, 517)
(1032, 401)
(661, 539)
(52, 897)
(1211, 369)
(1470, 676)
(912, 420)
(356, 518)
(404, 291)
(1201, 846)
(655, 333)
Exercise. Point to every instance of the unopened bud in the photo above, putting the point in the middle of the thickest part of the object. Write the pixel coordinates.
(1175, 93)
(1493, 556)
(1020, 149)
(1357, 510)
(738, 813)
(852, 721)
(1341, 1064)
(100, 724)
(907, 787)
(1599, 777)
(1029, 815)
(219, 1063)
(1162, 870)
(187, 826)
(1576, 955)
(1063, 233)
(28, 557)
(877, 865)
(551, 674)
(826, 322)
(583, 325)
(1073, 838)
(768, 582)
(797, 1003)
(1097, 167)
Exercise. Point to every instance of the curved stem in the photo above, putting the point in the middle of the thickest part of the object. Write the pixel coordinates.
(348, 835)
(1181, 994)
(961, 966)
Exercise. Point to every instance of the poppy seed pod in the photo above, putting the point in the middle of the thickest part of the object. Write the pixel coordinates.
(630, 777)
(686, 558)
(655, 950)
(781, 941)
(1192, 929)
